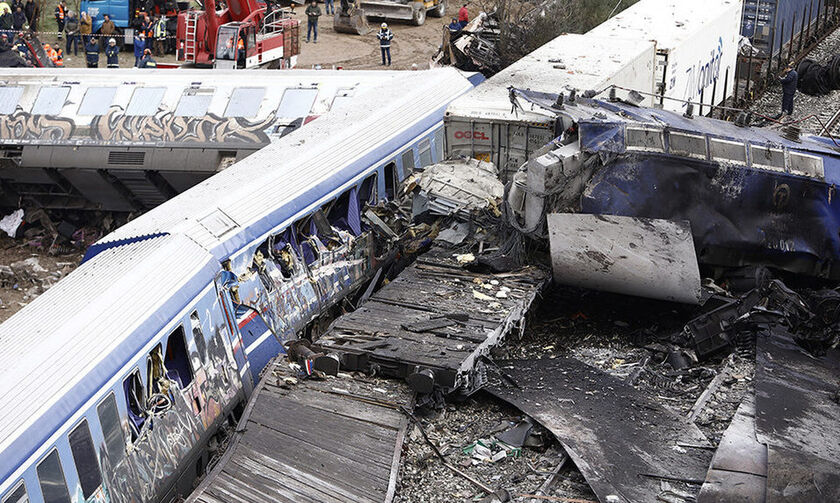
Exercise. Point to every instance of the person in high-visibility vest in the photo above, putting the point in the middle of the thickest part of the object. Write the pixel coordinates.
(160, 36)
(60, 12)
(240, 52)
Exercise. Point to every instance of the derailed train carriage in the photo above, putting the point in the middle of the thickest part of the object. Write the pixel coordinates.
(116, 379)
(751, 196)
(122, 140)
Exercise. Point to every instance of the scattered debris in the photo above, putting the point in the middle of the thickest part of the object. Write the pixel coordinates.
(10, 223)
(456, 187)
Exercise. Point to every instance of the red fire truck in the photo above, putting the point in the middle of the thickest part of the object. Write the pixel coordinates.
(241, 34)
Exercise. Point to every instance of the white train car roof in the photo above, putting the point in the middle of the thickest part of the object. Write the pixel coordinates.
(68, 343)
(65, 346)
(570, 61)
(670, 23)
(242, 203)
(81, 95)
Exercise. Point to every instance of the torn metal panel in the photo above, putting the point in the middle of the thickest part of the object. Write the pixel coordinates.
(739, 468)
(337, 440)
(458, 186)
(796, 416)
(634, 256)
(621, 440)
(383, 333)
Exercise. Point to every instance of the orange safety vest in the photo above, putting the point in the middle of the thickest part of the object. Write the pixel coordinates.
(241, 44)
(60, 12)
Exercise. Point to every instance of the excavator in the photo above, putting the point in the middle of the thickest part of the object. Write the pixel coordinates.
(238, 34)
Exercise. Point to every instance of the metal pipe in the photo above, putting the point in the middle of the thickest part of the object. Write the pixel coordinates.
(801, 32)
(810, 19)
(714, 93)
(725, 86)
(792, 34)
(768, 78)
(781, 45)
(700, 108)
(749, 77)
(737, 83)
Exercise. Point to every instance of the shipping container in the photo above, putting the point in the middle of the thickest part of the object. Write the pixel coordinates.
(781, 21)
(696, 47)
(483, 123)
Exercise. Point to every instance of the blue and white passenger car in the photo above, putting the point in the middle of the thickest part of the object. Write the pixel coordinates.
(114, 382)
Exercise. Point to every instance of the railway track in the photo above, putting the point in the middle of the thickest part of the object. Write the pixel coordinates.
(832, 127)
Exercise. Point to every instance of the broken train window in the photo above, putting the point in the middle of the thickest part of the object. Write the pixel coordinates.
(158, 385)
(177, 361)
(390, 180)
(344, 213)
(282, 247)
(198, 336)
(109, 421)
(135, 399)
(367, 190)
(306, 237)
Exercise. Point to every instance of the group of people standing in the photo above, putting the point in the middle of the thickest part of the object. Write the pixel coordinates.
(19, 15)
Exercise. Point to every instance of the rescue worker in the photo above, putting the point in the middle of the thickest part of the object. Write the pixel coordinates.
(54, 55)
(463, 16)
(240, 52)
(788, 78)
(112, 52)
(228, 53)
(139, 47)
(148, 61)
(92, 53)
(60, 13)
(160, 36)
(85, 27)
(71, 29)
(385, 36)
(18, 18)
(312, 14)
(108, 29)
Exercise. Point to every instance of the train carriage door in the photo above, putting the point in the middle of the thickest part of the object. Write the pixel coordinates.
(226, 284)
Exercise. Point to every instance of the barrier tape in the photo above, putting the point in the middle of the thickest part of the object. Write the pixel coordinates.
(97, 35)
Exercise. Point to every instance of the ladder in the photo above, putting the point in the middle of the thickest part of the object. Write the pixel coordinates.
(190, 37)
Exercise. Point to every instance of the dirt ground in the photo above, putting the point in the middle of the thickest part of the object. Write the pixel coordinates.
(411, 44)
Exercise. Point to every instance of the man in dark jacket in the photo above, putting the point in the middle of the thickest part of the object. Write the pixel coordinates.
(60, 13)
(312, 14)
(108, 30)
(92, 53)
(6, 20)
(139, 47)
(18, 18)
(788, 79)
(385, 36)
(112, 52)
(31, 11)
(148, 61)
(71, 28)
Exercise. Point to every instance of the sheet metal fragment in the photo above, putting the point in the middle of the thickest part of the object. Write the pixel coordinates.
(612, 431)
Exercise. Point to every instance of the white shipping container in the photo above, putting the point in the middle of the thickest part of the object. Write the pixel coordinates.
(696, 46)
(482, 124)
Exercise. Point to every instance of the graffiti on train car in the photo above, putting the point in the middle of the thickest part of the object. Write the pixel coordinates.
(116, 126)
(22, 125)
(155, 456)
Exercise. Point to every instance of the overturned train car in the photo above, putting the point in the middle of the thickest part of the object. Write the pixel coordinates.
(122, 140)
(114, 382)
(751, 196)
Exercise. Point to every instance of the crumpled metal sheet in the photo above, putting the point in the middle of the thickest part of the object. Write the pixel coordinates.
(620, 439)
(797, 411)
(461, 185)
(633, 256)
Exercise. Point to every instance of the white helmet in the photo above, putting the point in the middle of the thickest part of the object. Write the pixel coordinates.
(384, 26)
(112, 41)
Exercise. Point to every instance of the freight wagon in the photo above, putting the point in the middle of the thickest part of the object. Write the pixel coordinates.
(771, 25)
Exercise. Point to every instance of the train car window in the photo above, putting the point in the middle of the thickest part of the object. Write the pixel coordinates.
(135, 399)
(390, 180)
(343, 97)
(344, 213)
(245, 102)
(97, 100)
(367, 190)
(439, 144)
(145, 101)
(408, 162)
(177, 361)
(84, 456)
(425, 149)
(282, 249)
(109, 420)
(17, 495)
(50, 100)
(198, 336)
(51, 479)
(194, 103)
(9, 98)
(296, 103)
